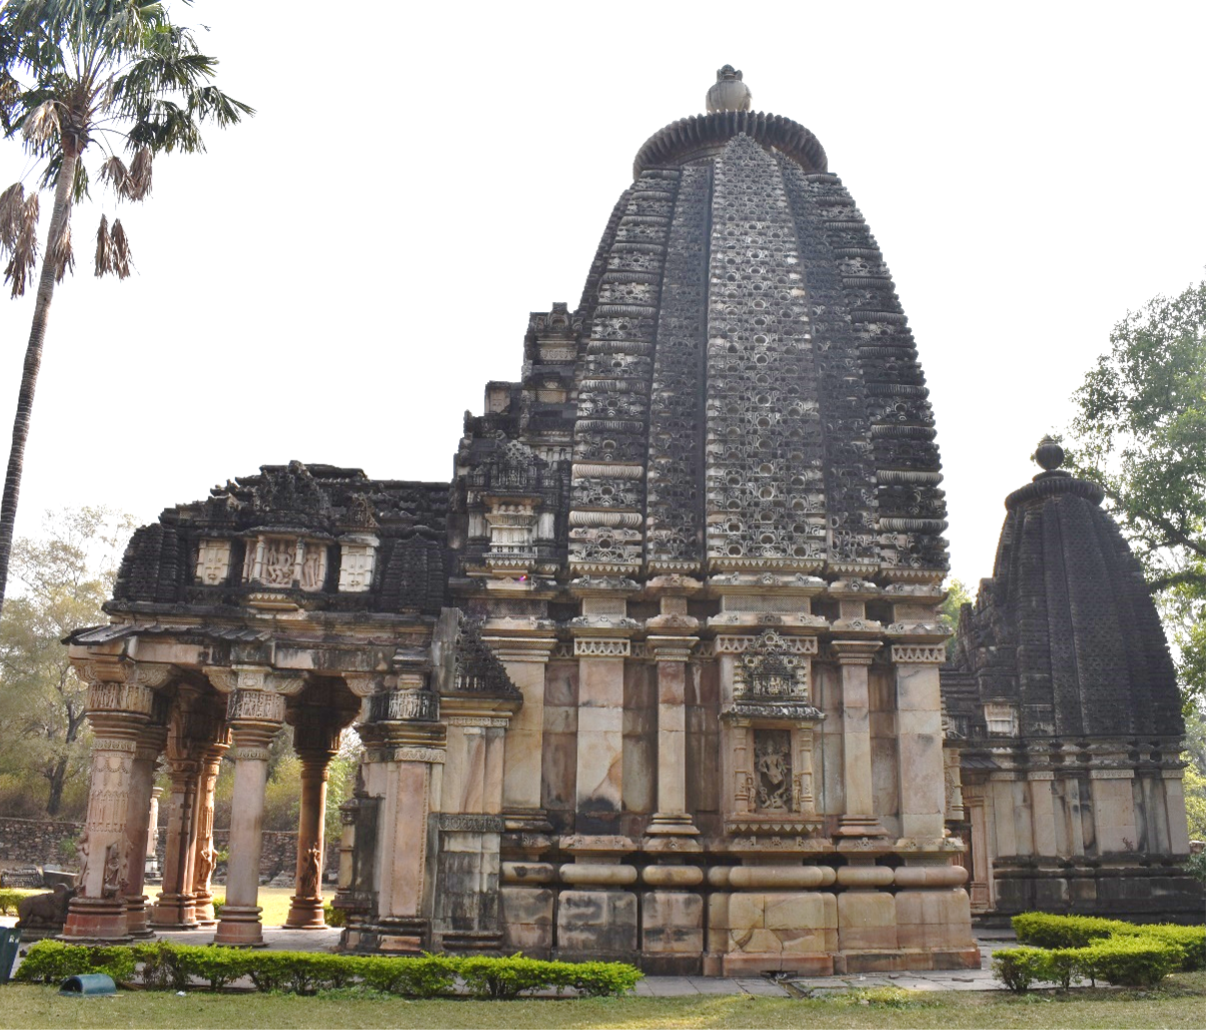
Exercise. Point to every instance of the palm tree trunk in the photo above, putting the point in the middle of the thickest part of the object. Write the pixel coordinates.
(33, 360)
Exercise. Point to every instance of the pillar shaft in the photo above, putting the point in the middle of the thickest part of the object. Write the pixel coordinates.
(205, 855)
(306, 906)
(118, 711)
(525, 660)
(858, 819)
(599, 735)
(922, 801)
(254, 717)
(148, 747)
(672, 817)
(174, 907)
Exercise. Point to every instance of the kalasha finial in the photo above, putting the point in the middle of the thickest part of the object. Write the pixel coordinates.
(1048, 454)
(729, 93)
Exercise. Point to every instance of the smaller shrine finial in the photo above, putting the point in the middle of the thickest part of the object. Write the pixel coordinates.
(1049, 454)
(729, 92)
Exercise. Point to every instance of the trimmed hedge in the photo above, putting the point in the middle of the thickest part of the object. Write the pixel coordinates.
(165, 965)
(1059, 947)
(1058, 931)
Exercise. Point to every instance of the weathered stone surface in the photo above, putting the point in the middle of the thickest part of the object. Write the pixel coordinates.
(595, 923)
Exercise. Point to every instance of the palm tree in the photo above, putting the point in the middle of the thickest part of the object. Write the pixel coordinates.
(114, 75)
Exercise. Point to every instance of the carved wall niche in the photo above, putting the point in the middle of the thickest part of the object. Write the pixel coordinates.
(213, 562)
(512, 525)
(281, 562)
(357, 555)
(769, 743)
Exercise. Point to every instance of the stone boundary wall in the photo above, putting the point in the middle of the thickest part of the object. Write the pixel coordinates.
(31, 841)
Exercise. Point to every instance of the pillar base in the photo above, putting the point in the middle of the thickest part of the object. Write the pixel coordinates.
(857, 825)
(520, 818)
(305, 912)
(406, 936)
(174, 910)
(672, 833)
(96, 920)
(239, 926)
(473, 943)
(138, 918)
(203, 910)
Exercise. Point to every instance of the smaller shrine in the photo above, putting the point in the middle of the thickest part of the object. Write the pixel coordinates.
(1063, 719)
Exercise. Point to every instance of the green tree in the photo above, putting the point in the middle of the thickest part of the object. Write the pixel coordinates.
(949, 610)
(75, 74)
(1140, 432)
(65, 577)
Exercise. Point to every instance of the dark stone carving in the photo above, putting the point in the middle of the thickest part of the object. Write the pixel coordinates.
(47, 910)
(477, 671)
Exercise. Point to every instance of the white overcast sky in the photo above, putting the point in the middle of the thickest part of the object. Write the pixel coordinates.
(338, 277)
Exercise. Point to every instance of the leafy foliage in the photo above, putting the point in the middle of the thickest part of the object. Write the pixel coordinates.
(113, 74)
(78, 74)
(1141, 433)
(65, 576)
(949, 610)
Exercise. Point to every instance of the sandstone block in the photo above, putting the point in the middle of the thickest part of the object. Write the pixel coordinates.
(672, 922)
(595, 922)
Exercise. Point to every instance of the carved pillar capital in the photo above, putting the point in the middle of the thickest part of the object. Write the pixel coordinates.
(236, 678)
(521, 650)
(670, 648)
(855, 653)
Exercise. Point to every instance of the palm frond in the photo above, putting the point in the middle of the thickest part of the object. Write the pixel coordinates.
(41, 124)
(114, 172)
(25, 247)
(140, 174)
(104, 255)
(11, 203)
(121, 250)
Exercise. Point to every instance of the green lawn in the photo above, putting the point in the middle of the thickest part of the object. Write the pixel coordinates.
(1179, 1004)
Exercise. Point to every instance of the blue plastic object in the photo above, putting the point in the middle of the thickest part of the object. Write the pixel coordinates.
(88, 985)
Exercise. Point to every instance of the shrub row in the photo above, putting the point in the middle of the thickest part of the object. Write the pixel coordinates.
(164, 965)
(1059, 947)
(1125, 960)
(1060, 931)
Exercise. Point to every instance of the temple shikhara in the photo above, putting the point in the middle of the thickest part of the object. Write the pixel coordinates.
(657, 676)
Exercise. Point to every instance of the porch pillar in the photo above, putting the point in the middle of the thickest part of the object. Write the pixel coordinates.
(148, 746)
(256, 708)
(205, 856)
(120, 704)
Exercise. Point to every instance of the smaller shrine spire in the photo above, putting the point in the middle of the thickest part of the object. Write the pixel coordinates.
(729, 92)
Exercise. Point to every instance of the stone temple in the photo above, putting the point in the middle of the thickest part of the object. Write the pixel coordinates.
(655, 676)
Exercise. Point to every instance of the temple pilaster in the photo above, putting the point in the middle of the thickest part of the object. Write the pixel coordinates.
(922, 801)
(400, 780)
(858, 819)
(671, 827)
(525, 660)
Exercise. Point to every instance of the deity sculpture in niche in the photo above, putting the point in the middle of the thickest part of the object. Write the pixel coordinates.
(774, 769)
(770, 747)
(277, 568)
